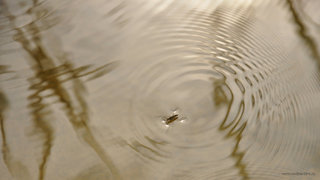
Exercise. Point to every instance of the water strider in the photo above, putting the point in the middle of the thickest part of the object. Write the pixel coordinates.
(171, 119)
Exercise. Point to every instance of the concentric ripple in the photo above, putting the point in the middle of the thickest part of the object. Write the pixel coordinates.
(150, 89)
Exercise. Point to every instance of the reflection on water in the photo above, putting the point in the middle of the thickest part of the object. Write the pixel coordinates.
(137, 89)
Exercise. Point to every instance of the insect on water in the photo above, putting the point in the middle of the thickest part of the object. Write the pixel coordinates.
(171, 119)
(176, 115)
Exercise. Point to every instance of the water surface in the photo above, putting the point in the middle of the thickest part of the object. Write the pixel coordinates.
(138, 89)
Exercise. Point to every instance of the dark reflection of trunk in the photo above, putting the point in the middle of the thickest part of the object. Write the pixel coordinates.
(303, 32)
(15, 167)
(233, 124)
(232, 129)
(42, 124)
(4, 148)
(47, 78)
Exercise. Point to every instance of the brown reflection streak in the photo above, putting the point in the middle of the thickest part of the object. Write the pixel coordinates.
(303, 32)
(10, 162)
(233, 125)
(36, 101)
(237, 154)
(41, 124)
(219, 98)
(142, 149)
(5, 148)
(47, 72)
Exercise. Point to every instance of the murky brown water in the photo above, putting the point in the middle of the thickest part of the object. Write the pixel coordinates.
(165, 90)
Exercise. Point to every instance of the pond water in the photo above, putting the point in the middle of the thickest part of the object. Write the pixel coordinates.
(159, 89)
